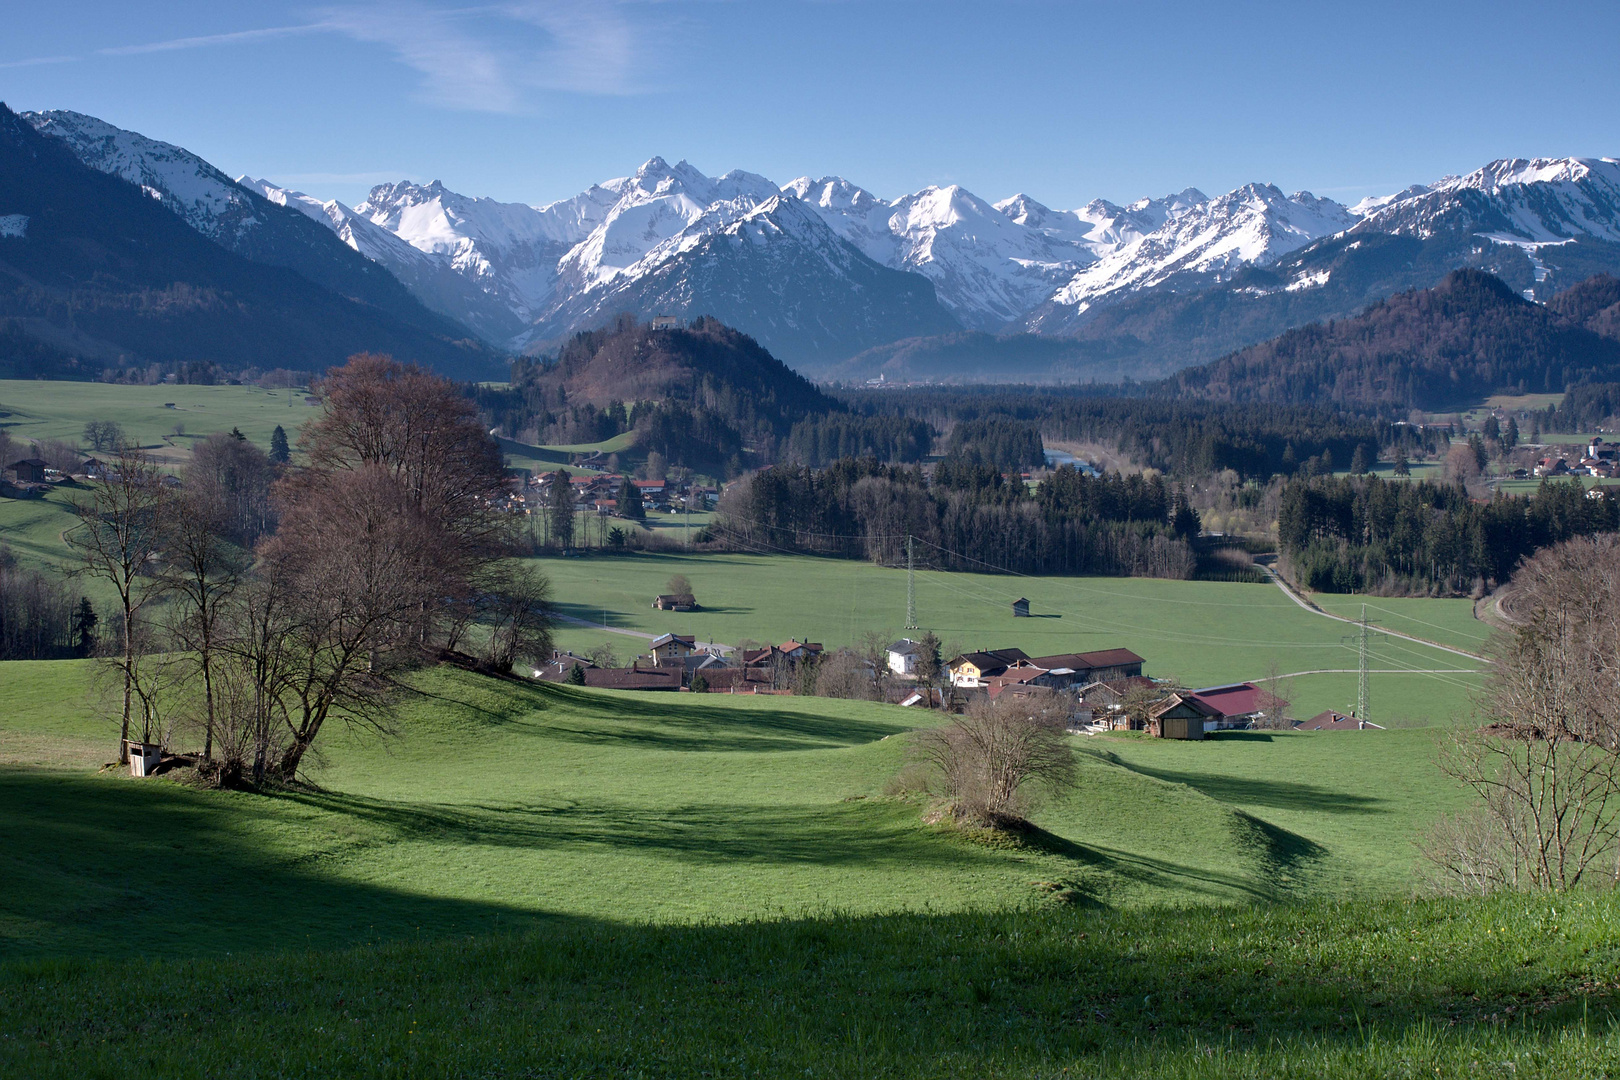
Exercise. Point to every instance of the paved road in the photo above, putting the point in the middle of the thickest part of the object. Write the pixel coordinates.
(634, 633)
(1314, 610)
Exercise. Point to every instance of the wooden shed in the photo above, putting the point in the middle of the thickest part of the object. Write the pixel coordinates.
(1020, 608)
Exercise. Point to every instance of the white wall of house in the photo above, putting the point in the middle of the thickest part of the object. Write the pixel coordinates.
(903, 663)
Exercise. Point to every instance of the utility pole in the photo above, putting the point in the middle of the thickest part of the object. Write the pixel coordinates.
(1361, 682)
(911, 587)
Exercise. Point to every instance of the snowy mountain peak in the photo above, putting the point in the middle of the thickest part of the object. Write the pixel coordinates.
(832, 193)
(203, 197)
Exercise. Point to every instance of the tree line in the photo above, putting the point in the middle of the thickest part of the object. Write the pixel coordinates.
(256, 604)
(1365, 534)
(1185, 438)
(964, 517)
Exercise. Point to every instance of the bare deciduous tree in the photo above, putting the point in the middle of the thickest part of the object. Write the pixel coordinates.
(1546, 767)
(120, 533)
(991, 759)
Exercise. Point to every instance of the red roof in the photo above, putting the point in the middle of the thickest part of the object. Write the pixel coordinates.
(1238, 699)
(646, 485)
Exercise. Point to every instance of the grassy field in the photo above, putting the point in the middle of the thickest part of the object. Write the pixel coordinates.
(1201, 632)
(502, 803)
(59, 410)
(538, 880)
(1514, 987)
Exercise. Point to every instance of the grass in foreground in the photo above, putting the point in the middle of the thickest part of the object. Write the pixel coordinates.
(1511, 987)
(508, 804)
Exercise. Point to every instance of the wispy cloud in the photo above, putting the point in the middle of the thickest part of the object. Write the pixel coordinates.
(37, 61)
(491, 58)
(236, 38)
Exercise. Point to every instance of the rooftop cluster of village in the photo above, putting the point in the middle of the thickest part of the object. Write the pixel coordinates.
(1105, 689)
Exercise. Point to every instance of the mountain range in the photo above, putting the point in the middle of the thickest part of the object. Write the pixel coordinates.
(938, 284)
(152, 258)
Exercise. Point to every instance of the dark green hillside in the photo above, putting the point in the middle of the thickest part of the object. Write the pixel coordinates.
(703, 395)
(103, 275)
(1512, 987)
(1466, 338)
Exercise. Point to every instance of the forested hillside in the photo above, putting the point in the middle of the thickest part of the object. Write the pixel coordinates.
(94, 274)
(1433, 348)
(701, 395)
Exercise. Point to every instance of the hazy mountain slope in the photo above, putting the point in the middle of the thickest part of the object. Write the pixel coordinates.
(238, 218)
(777, 273)
(1434, 348)
(96, 269)
(433, 280)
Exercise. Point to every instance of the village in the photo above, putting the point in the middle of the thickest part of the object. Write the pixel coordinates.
(1103, 690)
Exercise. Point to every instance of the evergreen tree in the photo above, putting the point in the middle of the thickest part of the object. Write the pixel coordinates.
(630, 504)
(561, 509)
(576, 675)
(700, 685)
(1359, 465)
(1511, 437)
(279, 451)
(236, 433)
(1401, 467)
(84, 627)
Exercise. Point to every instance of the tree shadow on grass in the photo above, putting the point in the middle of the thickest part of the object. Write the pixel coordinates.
(1275, 855)
(92, 863)
(1250, 791)
(842, 834)
(687, 722)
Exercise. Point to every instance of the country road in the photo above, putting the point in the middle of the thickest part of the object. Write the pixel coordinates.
(635, 633)
(1314, 610)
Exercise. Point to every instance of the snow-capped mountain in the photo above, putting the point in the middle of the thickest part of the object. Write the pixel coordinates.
(776, 271)
(1198, 242)
(245, 219)
(669, 238)
(1512, 201)
(987, 267)
(435, 281)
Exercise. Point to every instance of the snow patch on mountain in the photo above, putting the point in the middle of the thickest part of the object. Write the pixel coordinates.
(14, 225)
(1253, 226)
(203, 197)
(1512, 200)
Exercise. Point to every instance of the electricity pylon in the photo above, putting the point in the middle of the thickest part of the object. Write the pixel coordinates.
(911, 588)
(1361, 680)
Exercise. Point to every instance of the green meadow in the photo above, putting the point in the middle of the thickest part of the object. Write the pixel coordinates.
(541, 880)
(1203, 633)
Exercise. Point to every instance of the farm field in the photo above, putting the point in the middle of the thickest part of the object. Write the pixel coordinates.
(59, 410)
(505, 802)
(1203, 633)
(538, 878)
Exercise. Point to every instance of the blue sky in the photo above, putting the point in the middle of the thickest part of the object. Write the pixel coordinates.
(533, 101)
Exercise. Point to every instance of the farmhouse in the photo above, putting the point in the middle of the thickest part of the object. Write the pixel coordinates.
(676, 602)
(672, 647)
(633, 677)
(971, 669)
(1337, 721)
(903, 657)
(1104, 665)
(1236, 705)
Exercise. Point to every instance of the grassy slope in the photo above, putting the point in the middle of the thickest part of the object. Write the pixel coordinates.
(1201, 632)
(502, 803)
(59, 410)
(1514, 987)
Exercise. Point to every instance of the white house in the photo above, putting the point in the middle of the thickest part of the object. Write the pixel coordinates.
(903, 657)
